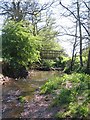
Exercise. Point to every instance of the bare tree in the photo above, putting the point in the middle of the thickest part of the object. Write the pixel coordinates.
(74, 47)
(80, 31)
(81, 16)
(24, 10)
(88, 61)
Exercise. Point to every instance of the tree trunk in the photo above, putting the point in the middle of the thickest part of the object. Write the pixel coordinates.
(80, 31)
(73, 53)
(34, 23)
(88, 62)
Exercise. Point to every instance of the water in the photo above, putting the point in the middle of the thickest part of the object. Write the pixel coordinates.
(11, 105)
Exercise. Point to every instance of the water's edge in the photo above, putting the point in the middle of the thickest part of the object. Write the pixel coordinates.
(16, 91)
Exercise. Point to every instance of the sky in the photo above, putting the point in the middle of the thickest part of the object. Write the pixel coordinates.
(63, 40)
(59, 21)
(1, 23)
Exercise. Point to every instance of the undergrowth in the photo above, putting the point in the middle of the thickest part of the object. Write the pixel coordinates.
(71, 93)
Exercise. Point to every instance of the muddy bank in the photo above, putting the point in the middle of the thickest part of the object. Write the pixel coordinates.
(6, 79)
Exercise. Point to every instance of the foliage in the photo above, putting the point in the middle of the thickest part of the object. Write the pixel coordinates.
(47, 63)
(21, 99)
(63, 61)
(71, 93)
(76, 66)
(48, 35)
(76, 63)
(75, 111)
(50, 85)
(20, 47)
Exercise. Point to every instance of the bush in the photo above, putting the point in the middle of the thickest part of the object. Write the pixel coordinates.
(19, 46)
(14, 70)
(47, 64)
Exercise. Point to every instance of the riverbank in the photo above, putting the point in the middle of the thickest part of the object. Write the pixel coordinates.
(47, 95)
(71, 94)
(40, 107)
(61, 97)
(20, 95)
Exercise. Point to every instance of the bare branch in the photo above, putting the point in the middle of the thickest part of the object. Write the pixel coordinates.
(86, 29)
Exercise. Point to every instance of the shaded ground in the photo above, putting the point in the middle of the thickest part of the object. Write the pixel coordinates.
(39, 107)
(35, 105)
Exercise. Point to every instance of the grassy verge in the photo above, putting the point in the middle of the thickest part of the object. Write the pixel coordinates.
(71, 93)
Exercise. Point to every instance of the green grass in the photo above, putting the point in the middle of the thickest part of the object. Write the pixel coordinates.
(71, 93)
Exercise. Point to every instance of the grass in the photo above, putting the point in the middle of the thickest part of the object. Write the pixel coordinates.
(71, 93)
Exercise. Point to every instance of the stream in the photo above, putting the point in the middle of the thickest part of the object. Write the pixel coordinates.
(12, 107)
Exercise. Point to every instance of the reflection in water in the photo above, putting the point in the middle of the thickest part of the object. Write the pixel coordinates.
(11, 105)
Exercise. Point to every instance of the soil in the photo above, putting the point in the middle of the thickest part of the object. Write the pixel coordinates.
(40, 107)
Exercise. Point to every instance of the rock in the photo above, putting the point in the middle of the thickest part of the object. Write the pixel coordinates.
(47, 98)
(37, 89)
(1, 76)
(3, 79)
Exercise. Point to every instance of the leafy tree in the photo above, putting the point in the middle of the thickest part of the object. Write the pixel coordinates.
(49, 34)
(19, 46)
(24, 10)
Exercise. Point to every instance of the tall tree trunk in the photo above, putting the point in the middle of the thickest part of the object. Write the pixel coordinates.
(34, 23)
(74, 45)
(88, 61)
(80, 32)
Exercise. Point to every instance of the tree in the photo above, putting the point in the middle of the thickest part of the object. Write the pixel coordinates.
(80, 32)
(24, 10)
(49, 34)
(74, 47)
(88, 61)
(12, 10)
(19, 46)
(75, 11)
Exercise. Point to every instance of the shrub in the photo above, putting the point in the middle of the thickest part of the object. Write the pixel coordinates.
(19, 46)
(73, 94)
(47, 63)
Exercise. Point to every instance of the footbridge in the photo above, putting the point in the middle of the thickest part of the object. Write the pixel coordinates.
(50, 54)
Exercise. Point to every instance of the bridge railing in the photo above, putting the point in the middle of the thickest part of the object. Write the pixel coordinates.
(50, 54)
